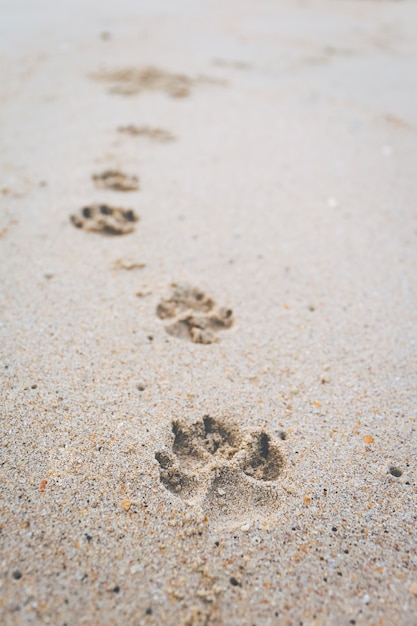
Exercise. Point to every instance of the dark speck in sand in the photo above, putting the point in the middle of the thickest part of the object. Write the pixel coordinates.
(395, 471)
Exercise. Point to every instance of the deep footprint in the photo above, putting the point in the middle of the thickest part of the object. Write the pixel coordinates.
(209, 458)
(102, 218)
(193, 315)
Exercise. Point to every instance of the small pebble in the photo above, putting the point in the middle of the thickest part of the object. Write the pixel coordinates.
(126, 504)
(395, 471)
(17, 574)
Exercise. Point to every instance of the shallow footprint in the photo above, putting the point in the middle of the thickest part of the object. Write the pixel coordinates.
(102, 218)
(193, 315)
(155, 134)
(133, 80)
(116, 180)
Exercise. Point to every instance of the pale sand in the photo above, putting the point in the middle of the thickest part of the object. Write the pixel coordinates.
(274, 145)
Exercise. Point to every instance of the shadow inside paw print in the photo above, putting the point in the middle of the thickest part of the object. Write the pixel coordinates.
(263, 460)
(193, 315)
(210, 459)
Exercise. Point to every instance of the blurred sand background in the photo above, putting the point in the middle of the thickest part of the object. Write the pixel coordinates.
(288, 193)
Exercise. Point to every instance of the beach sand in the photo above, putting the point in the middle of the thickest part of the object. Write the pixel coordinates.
(208, 372)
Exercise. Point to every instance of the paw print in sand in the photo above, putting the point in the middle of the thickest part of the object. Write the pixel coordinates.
(193, 315)
(213, 464)
(102, 218)
(118, 181)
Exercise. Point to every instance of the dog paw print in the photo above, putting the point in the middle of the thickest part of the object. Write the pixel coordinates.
(212, 462)
(134, 80)
(102, 218)
(118, 181)
(193, 315)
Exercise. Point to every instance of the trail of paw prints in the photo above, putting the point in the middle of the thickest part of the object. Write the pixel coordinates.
(193, 315)
(102, 218)
(227, 473)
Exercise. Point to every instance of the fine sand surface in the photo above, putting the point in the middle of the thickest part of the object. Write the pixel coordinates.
(208, 312)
